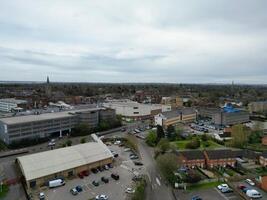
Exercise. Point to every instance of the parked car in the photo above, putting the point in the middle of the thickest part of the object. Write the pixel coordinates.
(100, 168)
(250, 182)
(115, 176)
(106, 167)
(80, 174)
(127, 149)
(254, 194)
(226, 190)
(56, 183)
(117, 142)
(220, 187)
(95, 183)
(241, 186)
(104, 179)
(85, 173)
(41, 196)
(138, 163)
(137, 178)
(94, 170)
(196, 198)
(79, 188)
(110, 165)
(133, 157)
(123, 129)
(73, 191)
(101, 197)
(129, 190)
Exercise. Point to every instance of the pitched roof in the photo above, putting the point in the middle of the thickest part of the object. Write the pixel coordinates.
(192, 155)
(220, 154)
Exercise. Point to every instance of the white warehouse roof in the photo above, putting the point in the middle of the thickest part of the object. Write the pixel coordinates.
(50, 162)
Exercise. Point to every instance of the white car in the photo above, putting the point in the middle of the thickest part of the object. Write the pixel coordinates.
(101, 197)
(129, 190)
(250, 182)
(220, 187)
(117, 142)
(254, 194)
(41, 196)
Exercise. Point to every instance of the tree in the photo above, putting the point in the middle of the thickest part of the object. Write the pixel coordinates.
(239, 136)
(204, 137)
(83, 140)
(168, 164)
(192, 177)
(131, 142)
(160, 133)
(151, 138)
(164, 145)
(69, 143)
(194, 144)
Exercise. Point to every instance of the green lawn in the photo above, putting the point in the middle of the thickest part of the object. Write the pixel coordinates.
(182, 144)
(203, 186)
(4, 191)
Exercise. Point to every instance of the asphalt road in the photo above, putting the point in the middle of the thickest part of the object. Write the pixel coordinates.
(157, 190)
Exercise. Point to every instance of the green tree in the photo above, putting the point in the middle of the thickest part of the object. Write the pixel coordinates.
(239, 136)
(69, 143)
(204, 137)
(168, 164)
(83, 140)
(151, 138)
(160, 133)
(194, 144)
(164, 145)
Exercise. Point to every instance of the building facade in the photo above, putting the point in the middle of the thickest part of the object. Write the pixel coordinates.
(10, 104)
(230, 118)
(14, 129)
(219, 158)
(174, 117)
(191, 159)
(39, 168)
(257, 107)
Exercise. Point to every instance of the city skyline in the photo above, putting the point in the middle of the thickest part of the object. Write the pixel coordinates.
(131, 42)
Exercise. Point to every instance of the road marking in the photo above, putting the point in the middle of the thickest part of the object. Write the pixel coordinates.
(158, 182)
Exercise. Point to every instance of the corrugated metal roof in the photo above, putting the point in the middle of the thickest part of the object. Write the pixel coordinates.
(50, 162)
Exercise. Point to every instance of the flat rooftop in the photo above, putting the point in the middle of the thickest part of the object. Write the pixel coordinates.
(42, 164)
(12, 100)
(43, 117)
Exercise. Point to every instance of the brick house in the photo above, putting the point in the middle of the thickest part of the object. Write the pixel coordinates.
(223, 157)
(191, 159)
(264, 140)
(263, 159)
(263, 183)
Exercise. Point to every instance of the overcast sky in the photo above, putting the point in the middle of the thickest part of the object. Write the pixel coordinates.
(189, 41)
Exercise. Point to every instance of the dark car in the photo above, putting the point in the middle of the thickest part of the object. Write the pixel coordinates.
(138, 163)
(115, 176)
(196, 198)
(79, 188)
(100, 168)
(104, 179)
(81, 175)
(110, 165)
(94, 170)
(95, 183)
(137, 178)
(85, 173)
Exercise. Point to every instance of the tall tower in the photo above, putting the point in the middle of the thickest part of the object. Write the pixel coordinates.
(48, 90)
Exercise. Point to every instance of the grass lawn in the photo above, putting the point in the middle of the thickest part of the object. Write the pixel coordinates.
(257, 147)
(182, 144)
(203, 186)
(4, 191)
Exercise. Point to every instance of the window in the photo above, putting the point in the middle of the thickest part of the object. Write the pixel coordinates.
(136, 112)
(135, 108)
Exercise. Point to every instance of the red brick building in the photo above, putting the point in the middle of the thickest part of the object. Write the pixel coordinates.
(263, 159)
(264, 140)
(191, 159)
(263, 183)
(216, 158)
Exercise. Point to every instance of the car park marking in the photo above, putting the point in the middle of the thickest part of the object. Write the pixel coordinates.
(158, 182)
(221, 194)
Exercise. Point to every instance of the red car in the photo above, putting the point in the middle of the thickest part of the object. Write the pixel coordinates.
(81, 175)
(241, 187)
(85, 173)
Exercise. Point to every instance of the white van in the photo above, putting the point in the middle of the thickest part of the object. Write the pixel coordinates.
(56, 183)
(254, 194)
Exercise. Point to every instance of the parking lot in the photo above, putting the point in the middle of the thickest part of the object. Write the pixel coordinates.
(123, 166)
(212, 193)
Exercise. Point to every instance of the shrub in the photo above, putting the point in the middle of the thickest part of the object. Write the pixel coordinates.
(151, 138)
(194, 144)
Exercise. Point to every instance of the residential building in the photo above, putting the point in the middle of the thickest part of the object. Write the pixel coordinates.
(191, 159)
(14, 129)
(263, 182)
(257, 107)
(135, 110)
(264, 140)
(11, 104)
(263, 159)
(220, 158)
(39, 168)
(174, 101)
(174, 117)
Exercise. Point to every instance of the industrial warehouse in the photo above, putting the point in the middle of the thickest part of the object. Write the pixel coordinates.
(39, 168)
